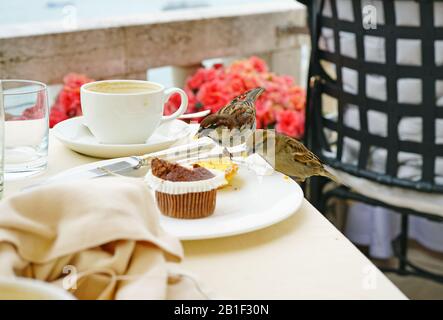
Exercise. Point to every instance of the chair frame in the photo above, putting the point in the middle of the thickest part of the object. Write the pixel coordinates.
(320, 82)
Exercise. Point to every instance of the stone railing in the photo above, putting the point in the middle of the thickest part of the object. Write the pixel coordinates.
(128, 47)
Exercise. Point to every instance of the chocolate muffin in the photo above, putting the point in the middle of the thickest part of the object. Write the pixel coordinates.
(184, 192)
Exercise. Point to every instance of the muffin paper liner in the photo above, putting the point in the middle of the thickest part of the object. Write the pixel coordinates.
(184, 187)
(187, 206)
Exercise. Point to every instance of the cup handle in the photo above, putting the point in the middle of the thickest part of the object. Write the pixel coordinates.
(183, 106)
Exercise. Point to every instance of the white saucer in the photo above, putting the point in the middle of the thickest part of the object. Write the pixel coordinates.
(76, 136)
(251, 203)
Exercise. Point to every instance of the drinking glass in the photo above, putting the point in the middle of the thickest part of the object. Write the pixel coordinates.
(2, 139)
(25, 105)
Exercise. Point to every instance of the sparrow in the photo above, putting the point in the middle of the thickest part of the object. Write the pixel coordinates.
(287, 155)
(238, 116)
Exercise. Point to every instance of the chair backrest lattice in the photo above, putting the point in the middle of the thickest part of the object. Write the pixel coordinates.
(377, 111)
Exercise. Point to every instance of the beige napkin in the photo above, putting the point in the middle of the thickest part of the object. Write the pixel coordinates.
(99, 237)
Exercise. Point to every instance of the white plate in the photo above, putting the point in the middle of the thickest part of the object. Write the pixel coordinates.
(76, 136)
(251, 203)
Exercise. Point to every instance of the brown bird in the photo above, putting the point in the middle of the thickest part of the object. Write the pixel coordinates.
(287, 155)
(237, 116)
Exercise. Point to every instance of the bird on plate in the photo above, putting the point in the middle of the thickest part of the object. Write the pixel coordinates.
(287, 155)
(238, 117)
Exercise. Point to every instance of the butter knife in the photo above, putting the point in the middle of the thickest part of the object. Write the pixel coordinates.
(129, 166)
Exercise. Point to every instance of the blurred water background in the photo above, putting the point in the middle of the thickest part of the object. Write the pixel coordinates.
(30, 11)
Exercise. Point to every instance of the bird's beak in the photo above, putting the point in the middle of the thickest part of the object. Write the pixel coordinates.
(199, 133)
(254, 94)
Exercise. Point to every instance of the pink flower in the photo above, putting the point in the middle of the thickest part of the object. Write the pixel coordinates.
(235, 84)
(264, 113)
(297, 97)
(197, 79)
(68, 104)
(258, 64)
(252, 65)
(212, 95)
(175, 100)
(37, 111)
(57, 115)
(253, 81)
(290, 123)
(172, 104)
(203, 75)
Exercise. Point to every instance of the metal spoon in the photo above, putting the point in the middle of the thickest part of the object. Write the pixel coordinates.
(195, 114)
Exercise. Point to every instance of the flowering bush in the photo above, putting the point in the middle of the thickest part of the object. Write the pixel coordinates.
(281, 106)
(67, 104)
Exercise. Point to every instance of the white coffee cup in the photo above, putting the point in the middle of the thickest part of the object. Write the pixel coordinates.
(126, 111)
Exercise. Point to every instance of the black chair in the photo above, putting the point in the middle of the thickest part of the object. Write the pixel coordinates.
(320, 128)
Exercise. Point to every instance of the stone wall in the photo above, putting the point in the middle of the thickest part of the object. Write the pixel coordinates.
(128, 48)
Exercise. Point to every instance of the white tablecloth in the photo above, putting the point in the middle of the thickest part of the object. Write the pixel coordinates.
(303, 257)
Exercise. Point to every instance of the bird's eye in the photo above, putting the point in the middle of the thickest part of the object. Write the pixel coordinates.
(212, 126)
